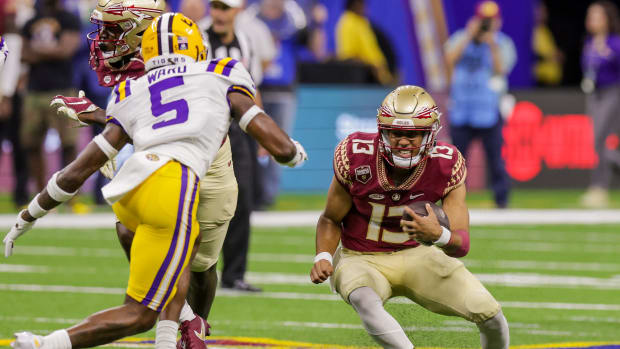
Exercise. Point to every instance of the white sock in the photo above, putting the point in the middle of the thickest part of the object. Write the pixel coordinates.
(57, 340)
(494, 333)
(379, 324)
(187, 314)
(166, 334)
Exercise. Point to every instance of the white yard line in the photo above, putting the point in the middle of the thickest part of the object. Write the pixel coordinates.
(472, 263)
(309, 218)
(296, 296)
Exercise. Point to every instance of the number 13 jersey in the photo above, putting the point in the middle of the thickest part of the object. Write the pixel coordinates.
(373, 223)
(180, 111)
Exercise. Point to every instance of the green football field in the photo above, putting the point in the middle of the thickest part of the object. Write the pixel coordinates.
(557, 284)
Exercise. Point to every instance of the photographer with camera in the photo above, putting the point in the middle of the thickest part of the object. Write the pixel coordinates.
(480, 58)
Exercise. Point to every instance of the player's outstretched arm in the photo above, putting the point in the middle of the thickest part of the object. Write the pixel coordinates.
(267, 133)
(65, 183)
(455, 206)
(328, 231)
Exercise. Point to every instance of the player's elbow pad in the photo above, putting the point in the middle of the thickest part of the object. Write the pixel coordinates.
(464, 248)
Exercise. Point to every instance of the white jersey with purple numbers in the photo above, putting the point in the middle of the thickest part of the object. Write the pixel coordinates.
(180, 111)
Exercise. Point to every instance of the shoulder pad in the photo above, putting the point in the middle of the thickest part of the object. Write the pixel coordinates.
(458, 172)
(341, 163)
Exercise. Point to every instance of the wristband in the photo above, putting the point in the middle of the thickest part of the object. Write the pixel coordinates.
(35, 209)
(57, 193)
(249, 116)
(324, 255)
(105, 146)
(444, 239)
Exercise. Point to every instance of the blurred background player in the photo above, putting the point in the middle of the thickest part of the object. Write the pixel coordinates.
(480, 57)
(377, 175)
(51, 39)
(171, 155)
(10, 100)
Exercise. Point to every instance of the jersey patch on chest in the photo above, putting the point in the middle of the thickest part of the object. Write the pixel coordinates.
(363, 174)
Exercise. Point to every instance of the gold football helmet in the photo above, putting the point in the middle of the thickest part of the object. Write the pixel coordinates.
(120, 25)
(408, 108)
(172, 38)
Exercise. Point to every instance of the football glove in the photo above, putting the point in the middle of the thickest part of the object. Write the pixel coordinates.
(72, 107)
(19, 228)
(299, 157)
(109, 168)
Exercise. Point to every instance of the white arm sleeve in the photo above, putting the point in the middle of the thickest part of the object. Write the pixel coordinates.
(10, 73)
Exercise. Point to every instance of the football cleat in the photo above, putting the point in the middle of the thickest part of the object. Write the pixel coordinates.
(27, 340)
(193, 334)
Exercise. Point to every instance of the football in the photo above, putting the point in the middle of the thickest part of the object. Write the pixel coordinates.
(419, 207)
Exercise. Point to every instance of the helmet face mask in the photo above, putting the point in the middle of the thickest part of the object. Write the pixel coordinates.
(120, 25)
(406, 109)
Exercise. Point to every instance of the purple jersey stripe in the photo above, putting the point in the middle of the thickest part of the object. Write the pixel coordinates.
(127, 88)
(112, 120)
(212, 65)
(229, 66)
(117, 93)
(188, 234)
(162, 269)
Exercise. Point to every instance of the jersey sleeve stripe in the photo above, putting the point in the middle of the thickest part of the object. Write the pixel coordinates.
(111, 120)
(228, 67)
(237, 88)
(122, 91)
(221, 65)
(212, 65)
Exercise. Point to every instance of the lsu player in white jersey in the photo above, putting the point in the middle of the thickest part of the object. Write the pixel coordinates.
(155, 192)
(115, 57)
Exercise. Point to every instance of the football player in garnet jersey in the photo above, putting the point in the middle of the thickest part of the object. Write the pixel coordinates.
(377, 175)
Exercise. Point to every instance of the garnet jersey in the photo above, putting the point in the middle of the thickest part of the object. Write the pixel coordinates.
(373, 223)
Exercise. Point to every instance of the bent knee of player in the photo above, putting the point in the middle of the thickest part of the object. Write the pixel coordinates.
(125, 236)
(481, 306)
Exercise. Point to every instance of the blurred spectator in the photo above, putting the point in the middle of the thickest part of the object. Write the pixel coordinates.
(549, 59)
(356, 40)
(480, 57)
(260, 38)
(193, 9)
(226, 41)
(10, 101)
(601, 83)
(286, 21)
(51, 39)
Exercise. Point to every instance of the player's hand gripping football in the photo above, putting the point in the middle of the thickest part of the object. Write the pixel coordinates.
(19, 228)
(321, 270)
(75, 108)
(422, 228)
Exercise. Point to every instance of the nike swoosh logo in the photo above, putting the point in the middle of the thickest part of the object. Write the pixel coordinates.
(80, 102)
(415, 196)
(201, 334)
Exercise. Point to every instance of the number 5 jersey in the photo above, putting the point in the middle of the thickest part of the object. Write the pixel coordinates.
(373, 223)
(178, 112)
